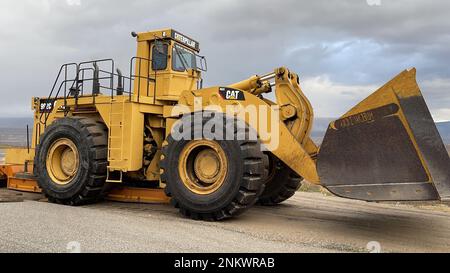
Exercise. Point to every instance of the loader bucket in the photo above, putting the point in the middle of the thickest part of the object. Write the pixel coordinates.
(386, 148)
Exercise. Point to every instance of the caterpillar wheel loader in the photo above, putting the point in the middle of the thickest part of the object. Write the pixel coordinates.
(156, 135)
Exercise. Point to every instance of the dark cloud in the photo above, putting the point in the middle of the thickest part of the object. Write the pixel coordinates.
(346, 45)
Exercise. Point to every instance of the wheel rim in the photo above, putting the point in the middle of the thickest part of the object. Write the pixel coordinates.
(62, 161)
(203, 166)
(272, 168)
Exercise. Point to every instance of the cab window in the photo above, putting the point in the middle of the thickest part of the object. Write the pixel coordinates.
(182, 59)
(159, 56)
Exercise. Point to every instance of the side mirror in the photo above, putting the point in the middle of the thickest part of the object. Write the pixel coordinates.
(201, 63)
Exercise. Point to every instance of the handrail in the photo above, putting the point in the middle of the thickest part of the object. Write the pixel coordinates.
(79, 79)
(138, 76)
(64, 66)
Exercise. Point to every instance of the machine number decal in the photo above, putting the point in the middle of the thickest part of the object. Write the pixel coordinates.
(357, 119)
(367, 116)
(46, 106)
(231, 94)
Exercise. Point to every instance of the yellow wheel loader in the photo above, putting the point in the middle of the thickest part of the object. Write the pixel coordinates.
(156, 135)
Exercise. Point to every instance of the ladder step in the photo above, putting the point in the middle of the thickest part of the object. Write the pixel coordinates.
(117, 179)
(113, 181)
(116, 134)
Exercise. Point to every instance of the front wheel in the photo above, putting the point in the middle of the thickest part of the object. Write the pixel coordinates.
(212, 179)
(281, 183)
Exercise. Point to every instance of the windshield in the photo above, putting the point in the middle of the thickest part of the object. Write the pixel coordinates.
(183, 59)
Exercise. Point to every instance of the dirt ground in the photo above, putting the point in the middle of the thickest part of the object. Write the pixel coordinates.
(309, 222)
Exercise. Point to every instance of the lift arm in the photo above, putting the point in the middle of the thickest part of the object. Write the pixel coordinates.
(295, 109)
(296, 119)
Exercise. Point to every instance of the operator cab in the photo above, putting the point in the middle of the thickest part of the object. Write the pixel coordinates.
(175, 64)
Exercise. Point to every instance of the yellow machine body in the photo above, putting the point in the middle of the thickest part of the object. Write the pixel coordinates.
(362, 156)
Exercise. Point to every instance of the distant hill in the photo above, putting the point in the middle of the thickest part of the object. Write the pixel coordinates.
(319, 129)
(321, 125)
(14, 123)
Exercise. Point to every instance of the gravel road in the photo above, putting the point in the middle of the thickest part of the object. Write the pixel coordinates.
(309, 222)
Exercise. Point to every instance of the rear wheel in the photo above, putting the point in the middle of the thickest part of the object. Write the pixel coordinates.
(71, 161)
(281, 183)
(212, 179)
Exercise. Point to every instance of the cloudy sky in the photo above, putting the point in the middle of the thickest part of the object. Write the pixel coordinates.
(342, 49)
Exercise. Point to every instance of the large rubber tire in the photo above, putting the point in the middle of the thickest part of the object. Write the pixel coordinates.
(91, 140)
(243, 184)
(281, 184)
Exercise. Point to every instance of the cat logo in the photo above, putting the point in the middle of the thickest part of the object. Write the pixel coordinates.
(231, 94)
